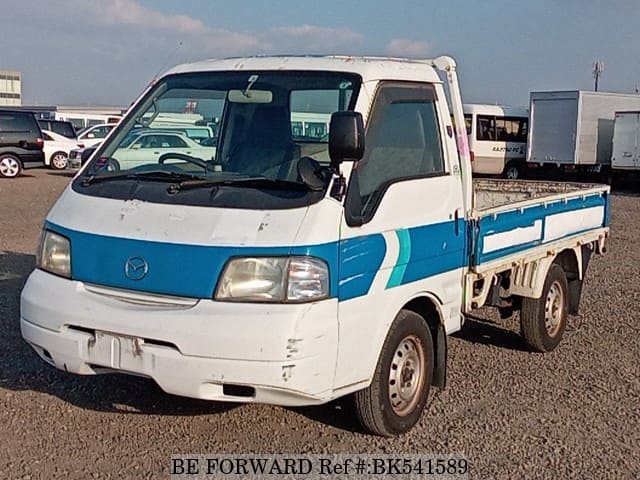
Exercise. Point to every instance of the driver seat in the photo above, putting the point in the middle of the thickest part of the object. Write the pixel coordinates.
(268, 148)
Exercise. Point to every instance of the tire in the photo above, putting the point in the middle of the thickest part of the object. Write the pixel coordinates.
(512, 171)
(10, 166)
(387, 407)
(543, 320)
(58, 161)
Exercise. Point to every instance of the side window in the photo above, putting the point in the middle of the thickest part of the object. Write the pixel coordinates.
(78, 123)
(99, 132)
(403, 142)
(46, 137)
(517, 129)
(486, 128)
(65, 129)
(173, 141)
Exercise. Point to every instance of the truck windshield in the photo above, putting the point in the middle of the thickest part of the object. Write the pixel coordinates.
(223, 126)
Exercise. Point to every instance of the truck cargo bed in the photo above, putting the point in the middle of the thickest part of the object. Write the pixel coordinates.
(511, 216)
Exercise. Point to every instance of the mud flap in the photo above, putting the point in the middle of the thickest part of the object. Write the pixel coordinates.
(575, 286)
(440, 367)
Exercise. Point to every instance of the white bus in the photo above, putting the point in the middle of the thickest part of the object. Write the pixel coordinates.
(82, 120)
(497, 139)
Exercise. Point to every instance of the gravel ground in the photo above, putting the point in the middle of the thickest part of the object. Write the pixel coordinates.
(572, 413)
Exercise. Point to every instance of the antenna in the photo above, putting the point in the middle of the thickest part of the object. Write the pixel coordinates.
(164, 65)
(598, 68)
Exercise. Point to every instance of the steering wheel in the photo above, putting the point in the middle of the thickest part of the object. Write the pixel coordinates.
(183, 156)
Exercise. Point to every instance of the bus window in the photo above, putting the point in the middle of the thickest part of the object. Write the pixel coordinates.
(468, 121)
(486, 128)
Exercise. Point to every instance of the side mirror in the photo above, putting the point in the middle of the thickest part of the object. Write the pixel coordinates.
(346, 137)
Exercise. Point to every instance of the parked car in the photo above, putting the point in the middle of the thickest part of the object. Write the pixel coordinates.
(60, 127)
(147, 146)
(92, 135)
(79, 156)
(56, 149)
(20, 142)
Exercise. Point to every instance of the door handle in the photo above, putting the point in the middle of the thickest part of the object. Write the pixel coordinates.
(456, 220)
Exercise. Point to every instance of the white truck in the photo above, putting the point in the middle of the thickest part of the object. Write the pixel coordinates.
(295, 272)
(573, 130)
(625, 157)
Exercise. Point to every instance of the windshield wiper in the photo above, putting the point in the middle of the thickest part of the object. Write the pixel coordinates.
(157, 175)
(250, 182)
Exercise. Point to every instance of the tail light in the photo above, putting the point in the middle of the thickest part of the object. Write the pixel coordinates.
(472, 156)
(40, 143)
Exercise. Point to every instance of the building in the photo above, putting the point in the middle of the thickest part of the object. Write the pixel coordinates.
(10, 88)
(79, 116)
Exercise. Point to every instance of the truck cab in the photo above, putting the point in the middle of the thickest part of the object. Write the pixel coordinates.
(289, 268)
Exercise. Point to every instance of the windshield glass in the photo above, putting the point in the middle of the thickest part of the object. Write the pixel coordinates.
(229, 124)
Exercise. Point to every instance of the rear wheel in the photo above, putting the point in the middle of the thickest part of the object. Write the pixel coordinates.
(512, 171)
(394, 401)
(10, 166)
(58, 161)
(543, 320)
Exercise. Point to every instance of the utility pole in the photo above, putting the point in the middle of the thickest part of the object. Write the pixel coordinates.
(598, 68)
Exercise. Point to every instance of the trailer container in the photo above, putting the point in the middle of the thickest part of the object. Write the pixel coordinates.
(574, 129)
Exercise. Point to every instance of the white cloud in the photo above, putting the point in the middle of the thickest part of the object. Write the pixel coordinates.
(402, 47)
(129, 12)
(314, 39)
(106, 51)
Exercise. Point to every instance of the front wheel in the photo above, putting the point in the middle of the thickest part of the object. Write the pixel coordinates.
(10, 166)
(394, 401)
(543, 320)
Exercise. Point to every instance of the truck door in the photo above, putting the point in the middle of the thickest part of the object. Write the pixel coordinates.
(403, 230)
(625, 142)
(553, 129)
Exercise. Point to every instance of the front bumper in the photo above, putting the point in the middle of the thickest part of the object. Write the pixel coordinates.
(278, 354)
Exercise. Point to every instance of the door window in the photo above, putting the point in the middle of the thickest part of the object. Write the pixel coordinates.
(402, 142)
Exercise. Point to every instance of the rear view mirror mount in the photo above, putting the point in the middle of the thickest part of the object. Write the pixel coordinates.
(250, 96)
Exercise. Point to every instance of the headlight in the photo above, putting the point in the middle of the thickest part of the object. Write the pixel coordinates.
(54, 254)
(274, 279)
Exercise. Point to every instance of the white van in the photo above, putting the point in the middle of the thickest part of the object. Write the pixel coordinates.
(497, 139)
(293, 270)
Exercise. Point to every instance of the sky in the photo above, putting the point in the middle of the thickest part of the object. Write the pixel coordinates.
(104, 52)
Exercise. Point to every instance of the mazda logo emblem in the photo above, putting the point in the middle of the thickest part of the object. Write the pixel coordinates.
(135, 268)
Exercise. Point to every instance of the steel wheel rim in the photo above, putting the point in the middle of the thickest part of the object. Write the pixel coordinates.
(406, 375)
(554, 309)
(512, 173)
(9, 167)
(59, 161)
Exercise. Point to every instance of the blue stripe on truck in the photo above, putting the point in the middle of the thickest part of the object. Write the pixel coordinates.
(194, 270)
(435, 249)
(174, 269)
(514, 219)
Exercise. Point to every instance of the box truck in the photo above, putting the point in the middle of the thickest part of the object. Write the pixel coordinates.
(574, 129)
(626, 134)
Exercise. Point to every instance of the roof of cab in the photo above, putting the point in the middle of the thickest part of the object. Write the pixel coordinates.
(369, 68)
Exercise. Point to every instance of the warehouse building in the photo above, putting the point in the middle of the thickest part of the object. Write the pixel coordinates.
(10, 88)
